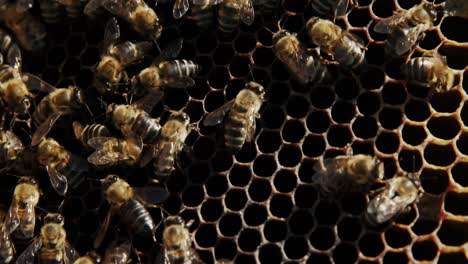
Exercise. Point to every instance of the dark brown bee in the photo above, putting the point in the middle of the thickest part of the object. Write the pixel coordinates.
(181, 6)
(304, 67)
(406, 28)
(51, 246)
(133, 121)
(10, 52)
(348, 173)
(430, 70)
(177, 243)
(345, 47)
(141, 17)
(203, 15)
(231, 12)
(21, 217)
(165, 73)
(129, 202)
(457, 8)
(11, 146)
(111, 151)
(21, 5)
(242, 111)
(90, 258)
(118, 254)
(51, 11)
(170, 143)
(63, 167)
(110, 70)
(29, 31)
(397, 194)
(325, 7)
(74, 8)
(7, 248)
(84, 134)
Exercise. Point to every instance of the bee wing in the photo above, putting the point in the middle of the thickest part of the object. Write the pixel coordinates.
(35, 83)
(146, 156)
(388, 24)
(178, 82)
(14, 56)
(148, 102)
(355, 38)
(44, 128)
(103, 229)
(216, 117)
(341, 8)
(24, 5)
(171, 51)
(430, 206)
(206, 2)
(77, 129)
(102, 157)
(411, 36)
(151, 196)
(180, 8)
(27, 257)
(12, 220)
(111, 33)
(251, 129)
(58, 180)
(247, 12)
(98, 142)
(70, 254)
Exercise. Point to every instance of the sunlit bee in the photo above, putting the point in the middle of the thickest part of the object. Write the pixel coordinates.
(10, 146)
(345, 47)
(51, 11)
(28, 30)
(51, 245)
(407, 28)
(396, 196)
(90, 258)
(170, 143)
(137, 13)
(348, 173)
(177, 243)
(232, 12)
(457, 8)
(324, 7)
(304, 67)
(430, 70)
(118, 254)
(84, 134)
(112, 151)
(129, 202)
(63, 167)
(10, 52)
(21, 217)
(240, 124)
(13, 90)
(110, 70)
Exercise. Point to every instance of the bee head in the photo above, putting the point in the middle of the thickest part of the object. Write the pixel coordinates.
(54, 218)
(280, 34)
(425, 14)
(256, 88)
(173, 220)
(181, 116)
(109, 180)
(23, 106)
(28, 179)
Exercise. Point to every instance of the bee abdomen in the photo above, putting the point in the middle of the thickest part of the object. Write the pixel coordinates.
(75, 10)
(50, 256)
(418, 69)
(50, 11)
(147, 128)
(137, 218)
(203, 15)
(235, 131)
(228, 17)
(348, 53)
(164, 166)
(318, 72)
(94, 130)
(179, 68)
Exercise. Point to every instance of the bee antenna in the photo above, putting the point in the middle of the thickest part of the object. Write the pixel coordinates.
(285, 15)
(251, 73)
(42, 209)
(9, 174)
(157, 46)
(269, 30)
(96, 117)
(89, 110)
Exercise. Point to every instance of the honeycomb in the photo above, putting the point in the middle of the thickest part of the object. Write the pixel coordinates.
(261, 204)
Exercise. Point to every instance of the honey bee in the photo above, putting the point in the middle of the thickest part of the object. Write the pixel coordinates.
(231, 12)
(74, 8)
(51, 11)
(129, 202)
(134, 121)
(28, 30)
(348, 173)
(83, 134)
(90, 258)
(62, 101)
(10, 50)
(344, 46)
(242, 111)
(16, 97)
(162, 73)
(304, 67)
(10, 146)
(142, 18)
(63, 167)
(21, 217)
(181, 6)
(177, 243)
(7, 248)
(325, 7)
(51, 246)
(110, 151)
(118, 254)
(456, 8)
(203, 14)
(169, 144)
(430, 70)
(406, 28)
(397, 194)
(110, 70)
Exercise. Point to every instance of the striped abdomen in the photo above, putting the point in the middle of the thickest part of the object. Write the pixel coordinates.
(203, 15)
(75, 9)
(51, 256)
(128, 52)
(398, 35)
(178, 68)
(51, 11)
(146, 127)
(420, 69)
(137, 219)
(164, 165)
(10, 50)
(235, 129)
(348, 53)
(228, 16)
(27, 224)
(7, 250)
(92, 131)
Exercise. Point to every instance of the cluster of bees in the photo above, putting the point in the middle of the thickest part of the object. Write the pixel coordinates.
(144, 139)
